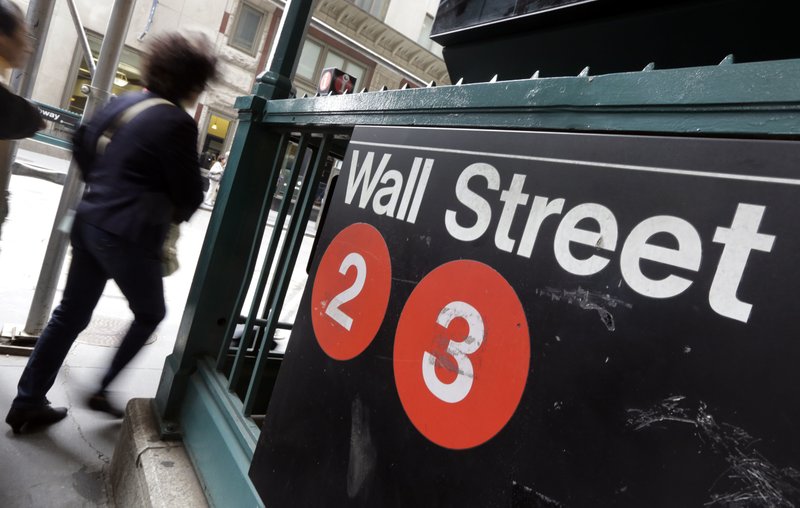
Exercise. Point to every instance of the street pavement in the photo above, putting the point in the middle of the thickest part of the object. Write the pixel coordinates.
(66, 465)
(42, 161)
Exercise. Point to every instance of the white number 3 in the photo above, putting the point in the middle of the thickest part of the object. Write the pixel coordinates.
(460, 387)
(332, 310)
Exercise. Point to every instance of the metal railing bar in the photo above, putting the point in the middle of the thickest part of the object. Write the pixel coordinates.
(723, 85)
(263, 279)
(84, 41)
(664, 101)
(262, 322)
(265, 313)
(252, 259)
(284, 270)
(339, 131)
(772, 122)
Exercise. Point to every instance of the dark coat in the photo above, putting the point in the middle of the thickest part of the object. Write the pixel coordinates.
(147, 177)
(19, 118)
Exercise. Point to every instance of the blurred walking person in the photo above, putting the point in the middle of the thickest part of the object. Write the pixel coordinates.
(19, 118)
(138, 156)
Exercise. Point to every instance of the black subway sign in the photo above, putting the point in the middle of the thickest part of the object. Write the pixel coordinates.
(59, 116)
(506, 318)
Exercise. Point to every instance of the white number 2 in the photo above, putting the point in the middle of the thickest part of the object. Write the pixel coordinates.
(356, 260)
(460, 387)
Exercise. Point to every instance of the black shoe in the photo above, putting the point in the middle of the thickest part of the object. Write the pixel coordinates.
(99, 402)
(30, 417)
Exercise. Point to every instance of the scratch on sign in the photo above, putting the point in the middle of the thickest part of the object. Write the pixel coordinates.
(752, 479)
(525, 496)
(587, 300)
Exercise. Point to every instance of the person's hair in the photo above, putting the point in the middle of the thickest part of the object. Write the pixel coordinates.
(11, 18)
(177, 65)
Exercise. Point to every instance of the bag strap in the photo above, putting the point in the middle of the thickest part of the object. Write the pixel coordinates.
(124, 118)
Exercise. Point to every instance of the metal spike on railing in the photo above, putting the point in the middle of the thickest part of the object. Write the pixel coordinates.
(460, 82)
(384, 88)
(330, 93)
(584, 72)
(363, 90)
(494, 79)
(317, 94)
(305, 96)
(649, 67)
(535, 75)
(432, 84)
(405, 85)
(345, 92)
(727, 60)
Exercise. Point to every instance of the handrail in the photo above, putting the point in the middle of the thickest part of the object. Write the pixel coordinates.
(665, 101)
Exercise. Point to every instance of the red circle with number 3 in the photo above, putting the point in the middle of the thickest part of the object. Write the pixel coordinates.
(461, 354)
(351, 291)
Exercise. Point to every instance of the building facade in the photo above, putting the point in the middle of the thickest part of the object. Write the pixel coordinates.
(382, 43)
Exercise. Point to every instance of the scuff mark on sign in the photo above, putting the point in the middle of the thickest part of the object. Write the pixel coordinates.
(752, 479)
(363, 455)
(587, 300)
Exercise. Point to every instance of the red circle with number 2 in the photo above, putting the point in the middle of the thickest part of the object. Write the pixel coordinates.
(351, 291)
(461, 354)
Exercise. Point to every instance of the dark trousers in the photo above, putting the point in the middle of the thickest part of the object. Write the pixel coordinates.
(96, 257)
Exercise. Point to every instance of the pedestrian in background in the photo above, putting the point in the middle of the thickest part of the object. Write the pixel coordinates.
(138, 156)
(19, 118)
(214, 177)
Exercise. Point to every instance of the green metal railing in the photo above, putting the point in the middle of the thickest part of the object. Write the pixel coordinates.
(215, 387)
(261, 320)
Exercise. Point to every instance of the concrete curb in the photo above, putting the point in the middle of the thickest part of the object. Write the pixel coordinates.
(21, 169)
(148, 472)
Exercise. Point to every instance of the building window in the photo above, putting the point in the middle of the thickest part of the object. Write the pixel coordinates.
(247, 30)
(309, 59)
(424, 39)
(127, 79)
(315, 57)
(374, 7)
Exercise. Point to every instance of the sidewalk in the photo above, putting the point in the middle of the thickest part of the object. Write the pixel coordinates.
(42, 161)
(38, 165)
(67, 463)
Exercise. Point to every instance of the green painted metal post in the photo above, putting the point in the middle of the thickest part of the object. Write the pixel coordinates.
(276, 82)
(223, 259)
